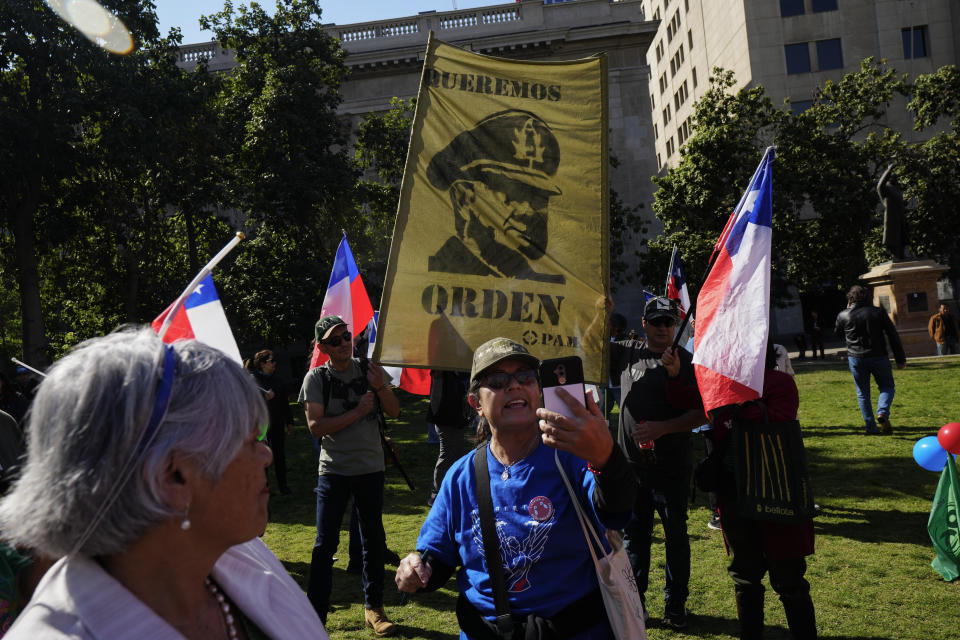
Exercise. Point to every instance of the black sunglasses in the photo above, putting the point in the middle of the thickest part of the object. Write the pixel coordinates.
(336, 340)
(662, 322)
(500, 379)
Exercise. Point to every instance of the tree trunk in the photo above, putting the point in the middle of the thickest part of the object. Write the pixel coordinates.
(31, 312)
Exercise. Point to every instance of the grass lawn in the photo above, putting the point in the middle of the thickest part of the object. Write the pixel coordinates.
(871, 576)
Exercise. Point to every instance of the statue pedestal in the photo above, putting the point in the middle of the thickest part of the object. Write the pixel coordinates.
(908, 292)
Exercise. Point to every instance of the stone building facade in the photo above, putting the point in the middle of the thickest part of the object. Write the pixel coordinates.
(790, 48)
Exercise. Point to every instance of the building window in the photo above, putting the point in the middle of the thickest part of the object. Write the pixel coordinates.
(799, 106)
(663, 82)
(686, 6)
(798, 58)
(915, 42)
(656, 131)
(829, 54)
(684, 131)
(819, 6)
(666, 115)
(693, 76)
(659, 163)
(659, 51)
(670, 146)
(681, 95)
(690, 39)
(791, 8)
(653, 105)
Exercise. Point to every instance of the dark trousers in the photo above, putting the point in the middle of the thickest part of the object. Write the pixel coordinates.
(453, 445)
(333, 494)
(277, 439)
(671, 504)
(747, 566)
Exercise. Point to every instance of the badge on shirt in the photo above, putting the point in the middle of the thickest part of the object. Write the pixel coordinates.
(540, 508)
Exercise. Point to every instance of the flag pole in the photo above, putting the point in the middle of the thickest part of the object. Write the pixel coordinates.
(26, 366)
(198, 279)
(693, 305)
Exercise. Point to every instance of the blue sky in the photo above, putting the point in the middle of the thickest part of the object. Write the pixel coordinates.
(186, 13)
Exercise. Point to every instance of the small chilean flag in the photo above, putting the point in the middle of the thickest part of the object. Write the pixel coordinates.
(201, 317)
(415, 381)
(677, 282)
(733, 307)
(345, 297)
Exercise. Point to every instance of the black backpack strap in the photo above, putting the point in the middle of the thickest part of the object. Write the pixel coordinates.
(491, 545)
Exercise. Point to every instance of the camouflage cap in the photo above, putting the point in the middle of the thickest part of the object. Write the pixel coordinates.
(325, 325)
(509, 145)
(660, 307)
(493, 351)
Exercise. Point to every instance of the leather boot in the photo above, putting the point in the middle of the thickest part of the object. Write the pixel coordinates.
(801, 617)
(750, 612)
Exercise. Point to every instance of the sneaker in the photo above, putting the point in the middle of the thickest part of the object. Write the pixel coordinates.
(885, 427)
(676, 619)
(377, 620)
(714, 521)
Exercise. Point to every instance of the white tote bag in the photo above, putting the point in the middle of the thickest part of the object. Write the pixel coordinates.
(614, 573)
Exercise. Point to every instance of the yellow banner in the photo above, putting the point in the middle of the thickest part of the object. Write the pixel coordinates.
(502, 223)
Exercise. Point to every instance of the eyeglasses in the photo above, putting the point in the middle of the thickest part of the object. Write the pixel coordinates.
(662, 322)
(500, 379)
(336, 340)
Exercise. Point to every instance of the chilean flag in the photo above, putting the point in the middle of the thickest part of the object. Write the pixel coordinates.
(677, 283)
(411, 380)
(201, 317)
(733, 308)
(345, 297)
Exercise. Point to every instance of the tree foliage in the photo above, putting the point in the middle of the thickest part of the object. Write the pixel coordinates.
(827, 215)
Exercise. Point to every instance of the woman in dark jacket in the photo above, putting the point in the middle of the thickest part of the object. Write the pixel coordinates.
(759, 547)
(262, 366)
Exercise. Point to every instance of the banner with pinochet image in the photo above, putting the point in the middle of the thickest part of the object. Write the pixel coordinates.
(502, 222)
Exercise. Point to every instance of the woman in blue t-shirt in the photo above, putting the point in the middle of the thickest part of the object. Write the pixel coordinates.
(549, 576)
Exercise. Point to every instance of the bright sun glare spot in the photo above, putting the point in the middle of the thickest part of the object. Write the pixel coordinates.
(95, 22)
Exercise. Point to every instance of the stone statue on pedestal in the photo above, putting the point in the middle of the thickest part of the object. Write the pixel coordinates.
(894, 216)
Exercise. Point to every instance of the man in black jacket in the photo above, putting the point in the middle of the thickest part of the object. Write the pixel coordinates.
(654, 433)
(863, 327)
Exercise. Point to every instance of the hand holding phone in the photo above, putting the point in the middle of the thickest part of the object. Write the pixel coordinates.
(562, 373)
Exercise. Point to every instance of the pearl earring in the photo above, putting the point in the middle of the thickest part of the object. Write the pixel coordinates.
(185, 524)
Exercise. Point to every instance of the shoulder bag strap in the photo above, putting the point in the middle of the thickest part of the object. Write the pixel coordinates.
(589, 533)
(491, 544)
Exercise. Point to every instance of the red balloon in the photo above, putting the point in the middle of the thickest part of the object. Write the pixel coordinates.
(949, 437)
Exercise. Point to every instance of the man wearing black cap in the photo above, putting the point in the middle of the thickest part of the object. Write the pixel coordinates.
(657, 413)
(499, 179)
(340, 399)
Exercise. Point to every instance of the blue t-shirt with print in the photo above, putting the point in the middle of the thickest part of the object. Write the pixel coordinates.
(547, 564)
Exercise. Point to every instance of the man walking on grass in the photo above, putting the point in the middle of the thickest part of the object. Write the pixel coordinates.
(864, 327)
(340, 399)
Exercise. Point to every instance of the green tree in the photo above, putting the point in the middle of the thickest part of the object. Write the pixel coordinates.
(46, 73)
(829, 158)
(290, 173)
(931, 170)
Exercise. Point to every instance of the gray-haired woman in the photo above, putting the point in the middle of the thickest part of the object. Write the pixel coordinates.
(145, 471)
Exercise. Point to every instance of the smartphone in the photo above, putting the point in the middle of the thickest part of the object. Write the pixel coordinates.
(562, 373)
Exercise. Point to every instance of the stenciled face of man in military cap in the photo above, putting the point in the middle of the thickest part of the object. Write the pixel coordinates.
(498, 176)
